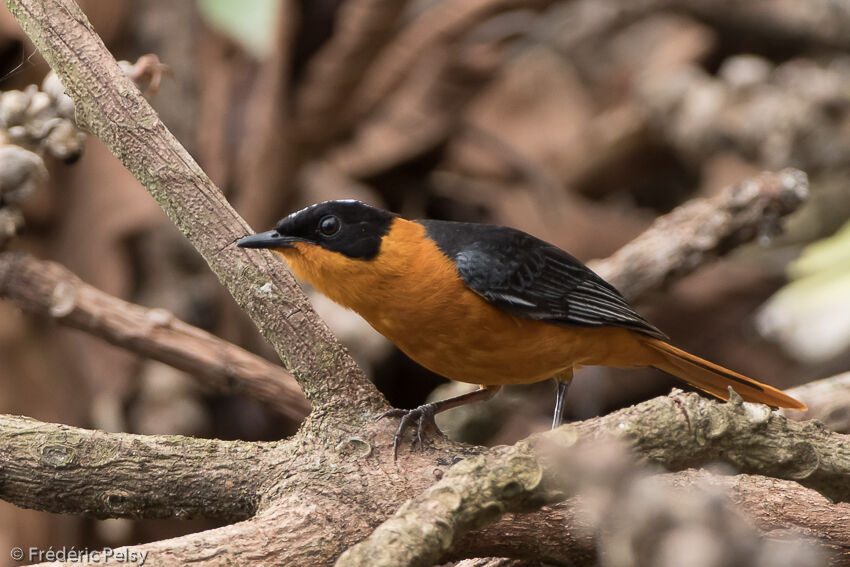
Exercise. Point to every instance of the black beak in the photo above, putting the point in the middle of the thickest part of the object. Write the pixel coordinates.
(270, 239)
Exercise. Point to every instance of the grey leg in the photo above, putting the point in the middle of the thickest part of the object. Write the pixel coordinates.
(563, 382)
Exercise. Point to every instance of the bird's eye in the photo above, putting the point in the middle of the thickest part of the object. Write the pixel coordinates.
(329, 225)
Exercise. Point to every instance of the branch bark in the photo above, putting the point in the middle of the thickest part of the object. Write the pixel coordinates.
(305, 496)
(688, 430)
(65, 469)
(472, 494)
(703, 229)
(111, 107)
(50, 290)
(677, 432)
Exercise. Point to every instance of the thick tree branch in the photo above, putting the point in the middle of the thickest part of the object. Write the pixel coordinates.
(292, 527)
(48, 289)
(111, 107)
(690, 430)
(64, 469)
(556, 535)
(472, 494)
(678, 431)
(302, 485)
(703, 229)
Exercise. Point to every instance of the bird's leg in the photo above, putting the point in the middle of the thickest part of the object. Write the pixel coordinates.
(425, 413)
(562, 380)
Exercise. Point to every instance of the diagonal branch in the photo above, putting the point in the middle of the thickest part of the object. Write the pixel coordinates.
(112, 108)
(48, 289)
(703, 229)
(62, 469)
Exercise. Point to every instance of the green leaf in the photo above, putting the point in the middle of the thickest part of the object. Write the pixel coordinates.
(250, 23)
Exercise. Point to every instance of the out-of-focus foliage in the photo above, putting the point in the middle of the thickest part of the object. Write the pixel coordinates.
(810, 317)
(248, 22)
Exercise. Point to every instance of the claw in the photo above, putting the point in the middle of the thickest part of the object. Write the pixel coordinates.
(424, 414)
(395, 412)
(424, 418)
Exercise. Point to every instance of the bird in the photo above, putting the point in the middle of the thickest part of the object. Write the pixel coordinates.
(483, 304)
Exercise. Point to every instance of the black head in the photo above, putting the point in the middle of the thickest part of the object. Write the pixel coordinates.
(351, 228)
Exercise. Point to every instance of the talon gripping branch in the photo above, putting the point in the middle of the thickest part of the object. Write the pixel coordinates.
(483, 304)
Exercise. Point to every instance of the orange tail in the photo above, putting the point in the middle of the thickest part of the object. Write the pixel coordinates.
(715, 379)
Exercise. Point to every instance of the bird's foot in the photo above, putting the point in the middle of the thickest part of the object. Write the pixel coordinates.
(423, 416)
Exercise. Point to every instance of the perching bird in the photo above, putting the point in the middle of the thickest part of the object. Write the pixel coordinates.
(483, 304)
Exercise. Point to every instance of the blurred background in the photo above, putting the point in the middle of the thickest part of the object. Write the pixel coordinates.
(576, 121)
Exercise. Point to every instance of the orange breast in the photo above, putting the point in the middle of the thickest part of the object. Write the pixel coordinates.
(411, 294)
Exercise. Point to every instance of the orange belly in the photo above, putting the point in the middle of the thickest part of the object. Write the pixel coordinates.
(411, 294)
(483, 345)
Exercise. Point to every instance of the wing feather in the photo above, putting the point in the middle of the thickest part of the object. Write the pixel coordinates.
(530, 278)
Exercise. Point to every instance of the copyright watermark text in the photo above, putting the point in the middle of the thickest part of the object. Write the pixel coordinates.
(84, 555)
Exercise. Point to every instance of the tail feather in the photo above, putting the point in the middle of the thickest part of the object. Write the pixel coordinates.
(714, 379)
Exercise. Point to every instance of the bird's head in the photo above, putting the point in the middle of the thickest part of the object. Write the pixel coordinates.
(350, 228)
